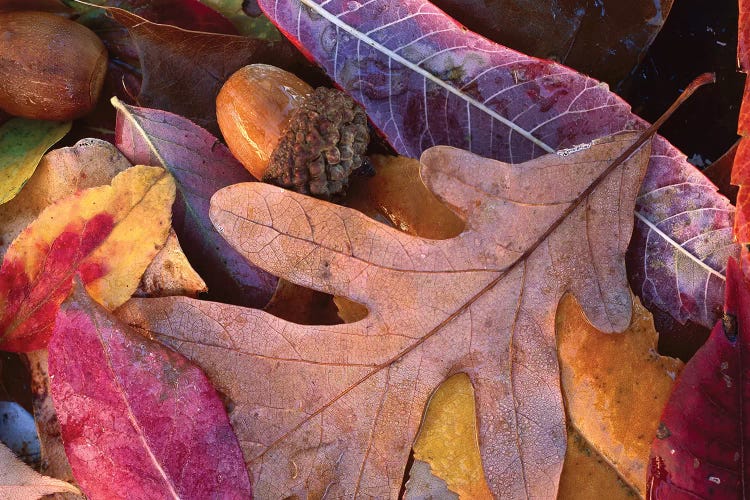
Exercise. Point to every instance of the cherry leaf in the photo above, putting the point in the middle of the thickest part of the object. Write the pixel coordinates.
(138, 420)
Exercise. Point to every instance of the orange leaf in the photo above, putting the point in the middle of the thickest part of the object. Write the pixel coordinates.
(615, 387)
(106, 234)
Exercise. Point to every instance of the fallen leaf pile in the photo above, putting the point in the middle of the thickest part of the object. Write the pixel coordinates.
(459, 324)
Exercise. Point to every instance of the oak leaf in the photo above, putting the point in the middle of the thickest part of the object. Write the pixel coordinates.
(426, 80)
(615, 387)
(603, 378)
(107, 235)
(335, 408)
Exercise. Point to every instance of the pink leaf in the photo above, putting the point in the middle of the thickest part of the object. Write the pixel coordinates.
(138, 420)
(700, 446)
(425, 80)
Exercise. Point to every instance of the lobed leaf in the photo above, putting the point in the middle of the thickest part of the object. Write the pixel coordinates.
(107, 235)
(336, 408)
(615, 387)
(425, 80)
(138, 420)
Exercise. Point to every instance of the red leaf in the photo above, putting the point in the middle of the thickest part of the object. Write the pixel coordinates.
(138, 420)
(425, 80)
(700, 446)
(741, 167)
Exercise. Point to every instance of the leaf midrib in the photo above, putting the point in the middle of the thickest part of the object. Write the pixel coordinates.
(336, 21)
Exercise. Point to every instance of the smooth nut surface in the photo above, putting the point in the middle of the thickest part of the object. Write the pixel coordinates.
(253, 109)
(51, 68)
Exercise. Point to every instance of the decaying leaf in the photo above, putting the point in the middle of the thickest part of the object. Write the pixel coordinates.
(107, 235)
(61, 173)
(22, 144)
(200, 165)
(170, 273)
(604, 40)
(615, 387)
(701, 444)
(425, 80)
(138, 420)
(336, 408)
(21, 482)
(256, 27)
(424, 485)
(397, 195)
(741, 168)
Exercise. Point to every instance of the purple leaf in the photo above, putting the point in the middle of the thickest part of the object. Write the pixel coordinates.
(201, 165)
(138, 420)
(425, 80)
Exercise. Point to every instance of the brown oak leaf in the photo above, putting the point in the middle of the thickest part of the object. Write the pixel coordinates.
(333, 410)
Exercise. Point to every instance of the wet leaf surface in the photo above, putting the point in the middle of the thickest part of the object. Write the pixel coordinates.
(137, 419)
(482, 303)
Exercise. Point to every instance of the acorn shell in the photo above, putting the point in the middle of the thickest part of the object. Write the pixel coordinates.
(51, 68)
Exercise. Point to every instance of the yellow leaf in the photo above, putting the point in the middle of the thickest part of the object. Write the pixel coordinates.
(22, 144)
(107, 235)
(447, 440)
(615, 386)
(587, 476)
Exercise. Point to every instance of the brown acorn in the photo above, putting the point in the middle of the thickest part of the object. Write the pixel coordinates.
(286, 133)
(51, 68)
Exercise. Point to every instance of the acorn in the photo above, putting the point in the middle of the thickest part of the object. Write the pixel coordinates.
(287, 133)
(51, 68)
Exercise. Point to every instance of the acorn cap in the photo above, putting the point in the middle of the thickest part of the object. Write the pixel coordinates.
(325, 141)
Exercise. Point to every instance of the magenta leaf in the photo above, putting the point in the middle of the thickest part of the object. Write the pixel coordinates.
(700, 446)
(426, 80)
(201, 165)
(138, 420)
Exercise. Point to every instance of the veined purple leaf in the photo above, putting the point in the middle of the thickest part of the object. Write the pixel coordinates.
(200, 165)
(683, 239)
(426, 80)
